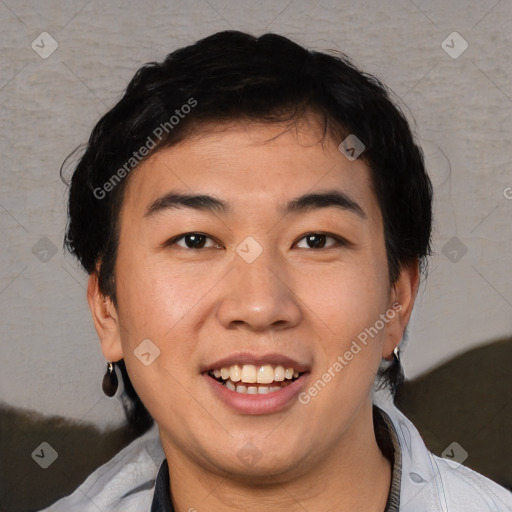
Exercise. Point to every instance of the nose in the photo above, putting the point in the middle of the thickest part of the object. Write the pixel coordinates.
(259, 296)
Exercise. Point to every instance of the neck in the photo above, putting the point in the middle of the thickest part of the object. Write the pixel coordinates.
(354, 475)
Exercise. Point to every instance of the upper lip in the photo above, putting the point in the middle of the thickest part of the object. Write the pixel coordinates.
(242, 358)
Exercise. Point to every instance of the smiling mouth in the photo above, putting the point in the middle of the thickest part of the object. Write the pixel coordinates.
(255, 380)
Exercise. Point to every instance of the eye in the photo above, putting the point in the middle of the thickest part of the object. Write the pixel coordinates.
(193, 241)
(319, 241)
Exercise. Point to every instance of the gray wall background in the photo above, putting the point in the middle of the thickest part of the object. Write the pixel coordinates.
(460, 105)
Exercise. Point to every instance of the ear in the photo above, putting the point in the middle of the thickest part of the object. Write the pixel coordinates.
(402, 297)
(105, 319)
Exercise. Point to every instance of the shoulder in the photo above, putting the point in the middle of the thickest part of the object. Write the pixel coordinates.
(432, 484)
(125, 483)
(470, 490)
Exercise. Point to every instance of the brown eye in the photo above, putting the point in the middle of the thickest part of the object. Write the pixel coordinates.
(195, 241)
(318, 241)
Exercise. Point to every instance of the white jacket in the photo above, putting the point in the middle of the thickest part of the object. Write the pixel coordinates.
(428, 483)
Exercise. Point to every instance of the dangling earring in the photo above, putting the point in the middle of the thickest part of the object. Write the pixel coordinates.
(110, 382)
(396, 354)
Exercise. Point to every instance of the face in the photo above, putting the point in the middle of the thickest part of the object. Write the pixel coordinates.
(253, 258)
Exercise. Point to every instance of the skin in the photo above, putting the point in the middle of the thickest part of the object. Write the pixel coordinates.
(199, 305)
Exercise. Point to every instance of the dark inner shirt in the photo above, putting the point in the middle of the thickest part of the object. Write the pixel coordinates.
(386, 439)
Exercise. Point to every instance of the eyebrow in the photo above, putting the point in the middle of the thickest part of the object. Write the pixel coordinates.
(329, 198)
(179, 200)
(307, 202)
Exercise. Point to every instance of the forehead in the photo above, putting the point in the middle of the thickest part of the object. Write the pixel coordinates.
(251, 165)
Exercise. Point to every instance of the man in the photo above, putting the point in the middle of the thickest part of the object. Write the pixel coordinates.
(253, 217)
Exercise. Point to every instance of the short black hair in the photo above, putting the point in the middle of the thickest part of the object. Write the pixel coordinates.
(233, 76)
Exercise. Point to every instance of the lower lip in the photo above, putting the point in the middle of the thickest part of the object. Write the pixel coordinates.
(267, 403)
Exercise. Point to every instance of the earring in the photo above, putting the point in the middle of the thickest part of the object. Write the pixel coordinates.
(110, 383)
(396, 354)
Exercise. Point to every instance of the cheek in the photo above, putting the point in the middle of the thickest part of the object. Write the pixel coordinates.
(345, 305)
(349, 346)
(347, 298)
(153, 296)
(156, 304)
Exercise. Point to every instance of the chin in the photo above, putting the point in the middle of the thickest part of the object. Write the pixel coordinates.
(254, 465)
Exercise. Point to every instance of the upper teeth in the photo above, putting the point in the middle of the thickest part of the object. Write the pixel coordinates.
(249, 373)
